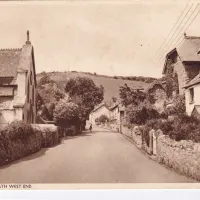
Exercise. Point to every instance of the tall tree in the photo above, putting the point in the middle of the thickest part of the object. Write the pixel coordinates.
(84, 92)
(130, 96)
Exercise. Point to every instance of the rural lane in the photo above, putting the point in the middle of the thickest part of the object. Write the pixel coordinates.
(98, 157)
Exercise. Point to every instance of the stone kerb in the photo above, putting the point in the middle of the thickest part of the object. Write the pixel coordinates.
(183, 156)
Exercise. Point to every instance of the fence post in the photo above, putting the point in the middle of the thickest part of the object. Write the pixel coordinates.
(151, 142)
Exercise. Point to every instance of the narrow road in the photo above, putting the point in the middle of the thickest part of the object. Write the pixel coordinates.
(98, 157)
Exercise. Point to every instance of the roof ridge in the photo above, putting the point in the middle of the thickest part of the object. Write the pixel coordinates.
(192, 37)
(11, 49)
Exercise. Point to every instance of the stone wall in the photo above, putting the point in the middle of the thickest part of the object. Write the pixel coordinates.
(183, 156)
(126, 131)
(137, 136)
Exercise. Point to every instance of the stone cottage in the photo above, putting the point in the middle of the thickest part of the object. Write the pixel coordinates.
(101, 109)
(183, 62)
(17, 84)
(157, 94)
(117, 112)
(192, 97)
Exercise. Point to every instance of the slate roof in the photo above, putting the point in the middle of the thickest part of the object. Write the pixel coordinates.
(9, 61)
(197, 107)
(187, 51)
(100, 107)
(194, 81)
(114, 106)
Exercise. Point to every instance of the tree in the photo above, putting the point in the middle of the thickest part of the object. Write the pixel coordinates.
(45, 80)
(130, 96)
(84, 92)
(66, 113)
(114, 99)
(48, 94)
(103, 119)
(139, 114)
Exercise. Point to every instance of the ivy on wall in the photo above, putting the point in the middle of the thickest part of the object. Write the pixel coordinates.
(171, 81)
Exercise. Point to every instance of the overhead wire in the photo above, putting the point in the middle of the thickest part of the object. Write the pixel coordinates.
(177, 42)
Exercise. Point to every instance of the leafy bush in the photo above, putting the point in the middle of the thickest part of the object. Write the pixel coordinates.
(17, 130)
(17, 140)
(103, 119)
(45, 80)
(179, 104)
(141, 113)
(177, 107)
(66, 113)
(183, 127)
(145, 134)
(130, 96)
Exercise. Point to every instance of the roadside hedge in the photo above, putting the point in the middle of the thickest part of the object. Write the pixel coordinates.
(17, 140)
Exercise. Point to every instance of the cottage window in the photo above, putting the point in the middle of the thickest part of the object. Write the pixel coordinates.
(191, 95)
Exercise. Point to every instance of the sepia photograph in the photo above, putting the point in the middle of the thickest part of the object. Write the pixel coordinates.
(99, 92)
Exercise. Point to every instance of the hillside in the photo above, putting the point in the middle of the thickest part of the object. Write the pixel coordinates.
(111, 84)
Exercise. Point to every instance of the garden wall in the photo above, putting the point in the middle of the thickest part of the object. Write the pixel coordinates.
(126, 131)
(183, 156)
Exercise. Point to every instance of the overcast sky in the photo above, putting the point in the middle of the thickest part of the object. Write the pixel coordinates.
(106, 37)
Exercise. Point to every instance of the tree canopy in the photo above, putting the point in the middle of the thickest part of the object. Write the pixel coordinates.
(84, 92)
(130, 96)
(66, 113)
(102, 118)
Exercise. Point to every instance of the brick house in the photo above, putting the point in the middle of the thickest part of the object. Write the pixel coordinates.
(17, 84)
(184, 62)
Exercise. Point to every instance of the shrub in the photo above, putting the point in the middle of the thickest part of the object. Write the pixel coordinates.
(17, 130)
(183, 127)
(66, 113)
(141, 113)
(103, 119)
(145, 134)
(17, 140)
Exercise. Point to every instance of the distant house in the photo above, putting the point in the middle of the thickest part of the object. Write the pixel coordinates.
(17, 84)
(192, 97)
(101, 109)
(184, 62)
(117, 112)
(157, 94)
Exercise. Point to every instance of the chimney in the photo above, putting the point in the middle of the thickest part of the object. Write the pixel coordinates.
(185, 35)
(28, 39)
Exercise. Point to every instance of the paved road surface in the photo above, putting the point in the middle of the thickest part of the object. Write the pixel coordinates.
(100, 157)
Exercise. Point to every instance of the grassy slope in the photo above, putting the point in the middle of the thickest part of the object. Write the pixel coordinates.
(110, 84)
